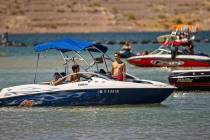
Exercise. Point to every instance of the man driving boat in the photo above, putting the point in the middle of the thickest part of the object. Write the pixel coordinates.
(75, 77)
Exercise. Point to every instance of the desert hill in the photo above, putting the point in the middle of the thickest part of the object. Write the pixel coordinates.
(61, 16)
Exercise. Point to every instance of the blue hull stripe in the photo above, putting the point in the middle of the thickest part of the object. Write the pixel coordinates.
(92, 97)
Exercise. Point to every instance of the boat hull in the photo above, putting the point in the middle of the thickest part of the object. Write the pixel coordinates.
(167, 62)
(191, 80)
(91, 97)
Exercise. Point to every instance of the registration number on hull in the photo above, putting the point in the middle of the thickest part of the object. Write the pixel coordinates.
(108, 91)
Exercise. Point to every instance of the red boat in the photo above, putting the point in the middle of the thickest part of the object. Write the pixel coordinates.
(176, 50)
(190, 79)
(165, 56)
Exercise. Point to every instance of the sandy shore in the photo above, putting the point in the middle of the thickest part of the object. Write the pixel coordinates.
(62, 16)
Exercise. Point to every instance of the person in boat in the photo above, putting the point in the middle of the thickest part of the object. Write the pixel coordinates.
(102, 71)
(126, 46)
(58, 78)
(118, 71)
(190, 49)
(146, 52)
(75, 77)
(174, 52)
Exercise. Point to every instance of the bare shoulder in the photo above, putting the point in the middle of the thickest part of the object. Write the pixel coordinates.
(113, 63)
(123, 63)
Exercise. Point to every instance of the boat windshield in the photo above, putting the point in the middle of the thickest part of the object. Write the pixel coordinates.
(168, 49)
(84, 76)
(161, 51)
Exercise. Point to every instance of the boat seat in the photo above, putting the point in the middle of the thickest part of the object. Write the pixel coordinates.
(73, 59)
(99, 60)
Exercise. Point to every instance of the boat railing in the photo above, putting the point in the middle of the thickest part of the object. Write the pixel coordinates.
(73, 59)
(86, 75)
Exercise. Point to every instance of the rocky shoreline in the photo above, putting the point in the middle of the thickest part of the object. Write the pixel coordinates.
(6, 42)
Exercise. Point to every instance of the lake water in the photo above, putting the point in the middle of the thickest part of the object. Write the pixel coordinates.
(184, 115)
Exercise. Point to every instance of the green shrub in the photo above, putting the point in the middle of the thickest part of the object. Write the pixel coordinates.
(114, 10)
(177, 21)
(166, 26)
(162, 16)
(95, 4)
(131, 16)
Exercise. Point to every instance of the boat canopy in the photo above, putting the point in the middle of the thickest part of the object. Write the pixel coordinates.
(70, 44)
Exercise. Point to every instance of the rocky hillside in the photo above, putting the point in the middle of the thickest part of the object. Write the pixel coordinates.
(59, 16)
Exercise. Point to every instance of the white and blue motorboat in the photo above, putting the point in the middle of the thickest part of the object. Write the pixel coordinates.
(94, 88)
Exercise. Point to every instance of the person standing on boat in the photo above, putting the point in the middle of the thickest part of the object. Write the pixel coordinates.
(174, 52)
(118, 71)
(191, 49)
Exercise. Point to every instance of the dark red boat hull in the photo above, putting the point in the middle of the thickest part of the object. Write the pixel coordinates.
(157, 62)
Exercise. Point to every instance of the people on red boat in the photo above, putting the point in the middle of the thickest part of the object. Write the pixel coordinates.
(191, 48)
(174, 52)
(118, 71)
(144, 52)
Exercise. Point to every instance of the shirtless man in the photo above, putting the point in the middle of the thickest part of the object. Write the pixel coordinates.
(75, 77)
(118, 71)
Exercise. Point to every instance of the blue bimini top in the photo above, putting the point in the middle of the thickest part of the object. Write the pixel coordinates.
(70, 44)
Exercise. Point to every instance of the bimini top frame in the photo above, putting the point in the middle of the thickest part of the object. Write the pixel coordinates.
(75, 45)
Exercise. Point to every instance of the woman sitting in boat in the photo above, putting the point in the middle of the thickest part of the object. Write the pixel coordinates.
(75, 77)
(125, 51)
(58, 78)
(126, 46)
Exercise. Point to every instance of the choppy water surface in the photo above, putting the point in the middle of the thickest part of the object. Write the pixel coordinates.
(184, 115)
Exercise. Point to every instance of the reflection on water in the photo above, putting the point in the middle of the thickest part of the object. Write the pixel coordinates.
(176, 117)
